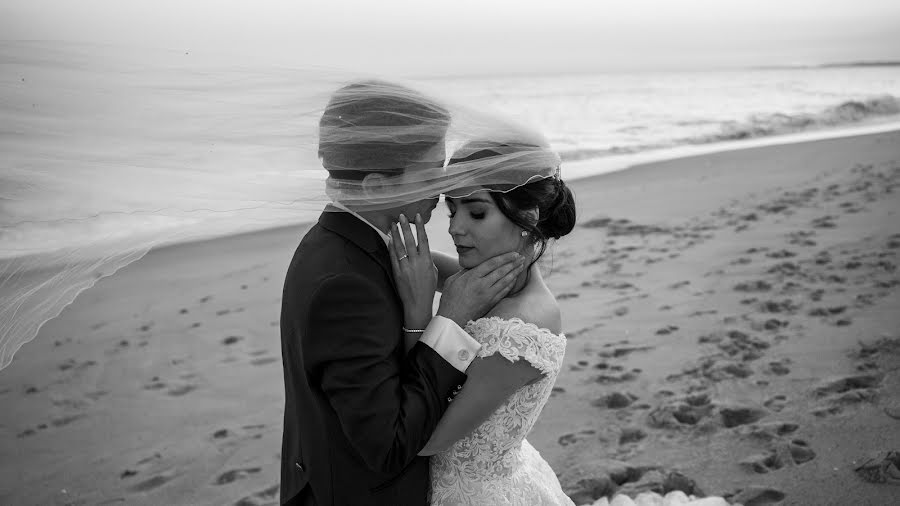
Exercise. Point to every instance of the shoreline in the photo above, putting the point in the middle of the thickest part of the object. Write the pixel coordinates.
(641, 161)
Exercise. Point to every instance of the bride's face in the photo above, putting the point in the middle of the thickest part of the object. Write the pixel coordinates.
(480, 230)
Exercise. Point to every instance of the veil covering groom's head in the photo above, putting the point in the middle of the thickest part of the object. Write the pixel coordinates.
(383, 145)
(374, 136)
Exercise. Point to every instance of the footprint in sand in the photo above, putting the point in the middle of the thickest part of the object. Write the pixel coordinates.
(606, 379)
(772, 430)
(770, 324)
(827, 311)
(233, 475)
(847, 391)
(231, 340)
(755, 495)
(781, 254)
(265, 497)
(72, 364)
(67, 419)
(824, 222)
(735, 416)
(227, 438)
(621, 352)
(779, 367)
(776, 403)
(155, 384)
(154, 481)
(717, 371)
(678, 414)
(567, 439)
(615, 400)
(850, 383)
(178, 391)
(753, 286)
(631, 435)
(142, 464)
(620, 311)
(668, 329)
(795, 452)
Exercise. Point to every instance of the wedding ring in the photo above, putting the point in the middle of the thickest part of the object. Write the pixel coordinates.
(401, 258)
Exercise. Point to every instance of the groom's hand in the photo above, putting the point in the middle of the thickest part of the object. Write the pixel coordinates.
(471, 293)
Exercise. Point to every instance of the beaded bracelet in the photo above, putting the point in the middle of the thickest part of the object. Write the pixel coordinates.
(413, 331)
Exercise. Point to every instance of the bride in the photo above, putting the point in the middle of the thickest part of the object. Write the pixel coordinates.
(479, 451)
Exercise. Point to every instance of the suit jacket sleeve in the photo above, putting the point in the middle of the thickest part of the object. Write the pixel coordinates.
(387, 410)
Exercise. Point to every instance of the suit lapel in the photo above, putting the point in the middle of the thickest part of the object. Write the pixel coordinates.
(362, 235)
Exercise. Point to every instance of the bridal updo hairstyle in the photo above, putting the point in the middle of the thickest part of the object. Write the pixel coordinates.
(550, 196)
(355, 136)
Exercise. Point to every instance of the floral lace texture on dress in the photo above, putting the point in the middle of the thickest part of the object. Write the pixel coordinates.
(495, 464)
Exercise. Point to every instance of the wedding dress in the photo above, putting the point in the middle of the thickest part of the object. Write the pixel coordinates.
(495, 465)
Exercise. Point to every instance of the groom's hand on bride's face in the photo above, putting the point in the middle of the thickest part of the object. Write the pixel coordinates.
(471, 293)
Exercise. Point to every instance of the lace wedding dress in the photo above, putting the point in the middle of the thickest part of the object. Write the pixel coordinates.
(495, 465)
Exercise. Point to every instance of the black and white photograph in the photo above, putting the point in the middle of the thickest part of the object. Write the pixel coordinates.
(433, 253)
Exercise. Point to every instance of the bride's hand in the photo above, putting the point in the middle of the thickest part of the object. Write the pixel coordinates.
(414, 272)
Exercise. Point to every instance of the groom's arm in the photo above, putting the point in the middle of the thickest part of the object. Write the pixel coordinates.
(387, 412)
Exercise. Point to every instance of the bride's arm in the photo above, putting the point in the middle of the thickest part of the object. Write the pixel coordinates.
(491, 380)
(447, 265)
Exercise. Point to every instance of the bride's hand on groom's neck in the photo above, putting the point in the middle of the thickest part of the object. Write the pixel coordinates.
(469, 294)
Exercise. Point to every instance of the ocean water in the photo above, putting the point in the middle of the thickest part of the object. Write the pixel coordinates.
(117, 145)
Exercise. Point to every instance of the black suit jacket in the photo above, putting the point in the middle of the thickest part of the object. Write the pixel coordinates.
(357, 408)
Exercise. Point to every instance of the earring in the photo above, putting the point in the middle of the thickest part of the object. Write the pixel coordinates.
(524, 233)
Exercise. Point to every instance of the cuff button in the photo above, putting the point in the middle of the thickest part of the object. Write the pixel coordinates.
(463, 355)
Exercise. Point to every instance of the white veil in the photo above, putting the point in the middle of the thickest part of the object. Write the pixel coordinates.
(105, 158)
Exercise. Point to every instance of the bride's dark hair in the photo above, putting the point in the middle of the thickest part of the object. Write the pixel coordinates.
(551, 197)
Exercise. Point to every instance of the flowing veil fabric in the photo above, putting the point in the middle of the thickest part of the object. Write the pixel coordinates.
(108, 153)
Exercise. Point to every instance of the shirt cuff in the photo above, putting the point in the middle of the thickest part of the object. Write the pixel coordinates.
(451, 342)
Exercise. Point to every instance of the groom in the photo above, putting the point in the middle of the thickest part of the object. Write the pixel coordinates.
(358, 408)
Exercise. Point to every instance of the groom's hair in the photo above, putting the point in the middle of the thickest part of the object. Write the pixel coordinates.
(376, 126)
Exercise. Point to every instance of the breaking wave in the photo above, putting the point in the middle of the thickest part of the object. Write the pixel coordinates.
(761, 125)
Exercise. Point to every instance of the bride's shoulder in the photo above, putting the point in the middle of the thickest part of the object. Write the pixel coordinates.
(538, 308)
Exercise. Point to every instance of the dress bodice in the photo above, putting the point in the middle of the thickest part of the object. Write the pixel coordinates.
(496, 450)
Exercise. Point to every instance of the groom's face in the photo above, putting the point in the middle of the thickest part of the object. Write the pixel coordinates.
(433, 159)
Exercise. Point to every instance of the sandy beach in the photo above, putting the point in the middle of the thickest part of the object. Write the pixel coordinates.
(732, 318)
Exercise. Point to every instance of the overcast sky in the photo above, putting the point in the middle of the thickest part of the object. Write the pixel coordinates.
(423, 37)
